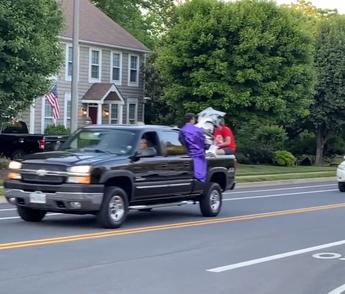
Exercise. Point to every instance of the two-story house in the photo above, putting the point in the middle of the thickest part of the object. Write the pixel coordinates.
(110, 82)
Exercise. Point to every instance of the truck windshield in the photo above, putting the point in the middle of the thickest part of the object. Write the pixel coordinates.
(120, 142)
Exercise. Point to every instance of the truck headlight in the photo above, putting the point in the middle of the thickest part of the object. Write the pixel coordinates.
(79, 174)
(14, 168)
(15, 165)
(80, 169)
(79, 179)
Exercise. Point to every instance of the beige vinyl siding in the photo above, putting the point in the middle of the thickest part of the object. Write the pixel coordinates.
(63, 86)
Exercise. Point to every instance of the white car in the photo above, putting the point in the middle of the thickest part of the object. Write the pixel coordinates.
(341, 176)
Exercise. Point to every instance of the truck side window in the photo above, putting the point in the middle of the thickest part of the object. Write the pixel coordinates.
(171, 144)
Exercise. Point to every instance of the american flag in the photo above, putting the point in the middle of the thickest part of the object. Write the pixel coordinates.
(52, 98)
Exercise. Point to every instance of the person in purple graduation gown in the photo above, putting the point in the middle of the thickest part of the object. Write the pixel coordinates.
(194, 139)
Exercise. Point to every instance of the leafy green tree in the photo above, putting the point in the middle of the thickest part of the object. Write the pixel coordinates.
(29, 51)
(243, 57)
(144, 19)
(157, 110)
(327, 117)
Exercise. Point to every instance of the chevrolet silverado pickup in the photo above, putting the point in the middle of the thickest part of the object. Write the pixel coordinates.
(99, 170)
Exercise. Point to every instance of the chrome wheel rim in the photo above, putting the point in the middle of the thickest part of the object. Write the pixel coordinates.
(116, 208)
(215, 200)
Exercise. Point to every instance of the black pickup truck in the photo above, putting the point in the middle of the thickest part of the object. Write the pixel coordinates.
(16, 142)
(100, 171)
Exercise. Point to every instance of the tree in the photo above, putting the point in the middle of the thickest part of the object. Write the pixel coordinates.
(244, 57)
(157, 111)
(327, 115)
(144, 19)
(29, 51)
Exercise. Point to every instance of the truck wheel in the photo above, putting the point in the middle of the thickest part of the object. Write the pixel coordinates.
(341, 186)
(211, 200)
(114, 208)
(31, 215)
(17, 154)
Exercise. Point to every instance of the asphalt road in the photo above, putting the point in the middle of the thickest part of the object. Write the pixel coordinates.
(286, 239)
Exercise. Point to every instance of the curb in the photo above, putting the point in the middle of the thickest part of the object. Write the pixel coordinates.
(2, 199)
(291, 181)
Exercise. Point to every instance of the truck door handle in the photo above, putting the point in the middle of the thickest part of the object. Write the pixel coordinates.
(186, 164)
(164, 165)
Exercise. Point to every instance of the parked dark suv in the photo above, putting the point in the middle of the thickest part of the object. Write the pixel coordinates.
(100, 171)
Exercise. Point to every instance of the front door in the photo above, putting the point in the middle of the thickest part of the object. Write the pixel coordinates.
(93, 114)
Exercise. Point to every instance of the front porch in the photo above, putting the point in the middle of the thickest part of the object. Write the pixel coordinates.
(103, 104)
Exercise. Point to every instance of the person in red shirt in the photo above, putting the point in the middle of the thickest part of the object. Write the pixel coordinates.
(224, 139)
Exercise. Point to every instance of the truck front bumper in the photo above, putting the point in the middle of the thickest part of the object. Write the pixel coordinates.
(62, 198)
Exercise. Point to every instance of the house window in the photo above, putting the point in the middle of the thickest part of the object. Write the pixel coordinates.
(132, 111)
(67, 117)
(48, 118)
(114, 114)
(69, 58)
(116, 67)
(133, 70)
(95, 65)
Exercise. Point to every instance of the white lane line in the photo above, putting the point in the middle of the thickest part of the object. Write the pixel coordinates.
(278, 195)
(8, 209)
(279, 189)
(273, 257)
(17, 217)
(339, 290)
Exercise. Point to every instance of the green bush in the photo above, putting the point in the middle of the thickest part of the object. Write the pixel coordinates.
(4, 162)
(271, 137)
(57, 130)
(257, 139)
(284, 158)
(254, 156)
(302, 144)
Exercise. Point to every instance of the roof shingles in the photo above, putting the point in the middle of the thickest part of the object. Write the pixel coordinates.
(95, 26)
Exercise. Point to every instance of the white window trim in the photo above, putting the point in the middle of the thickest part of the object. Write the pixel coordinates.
(119, 82)
(132, 101)
(119, 111)
(67, 77)
(43, 112)
(32, 118)
(66, 99)
(129, 70)
(92, 80)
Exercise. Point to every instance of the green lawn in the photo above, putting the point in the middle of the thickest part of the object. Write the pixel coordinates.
(253, 173)
(248, 169)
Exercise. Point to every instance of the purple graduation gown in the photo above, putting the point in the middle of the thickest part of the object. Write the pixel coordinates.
(194, 140)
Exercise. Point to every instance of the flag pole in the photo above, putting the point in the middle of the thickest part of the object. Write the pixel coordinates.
(75, 66)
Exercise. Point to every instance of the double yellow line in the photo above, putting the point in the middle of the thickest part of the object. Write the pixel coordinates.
(122, 232)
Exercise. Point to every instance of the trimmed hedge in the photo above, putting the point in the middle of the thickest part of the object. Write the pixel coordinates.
(284, 158)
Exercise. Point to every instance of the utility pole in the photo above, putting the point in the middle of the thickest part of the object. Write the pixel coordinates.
(75, 66)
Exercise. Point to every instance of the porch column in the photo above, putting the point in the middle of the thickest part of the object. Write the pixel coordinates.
(32, 119)
(120, 114)
(99, 113)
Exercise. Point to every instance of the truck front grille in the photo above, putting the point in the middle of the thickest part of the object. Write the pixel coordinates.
(48, 179)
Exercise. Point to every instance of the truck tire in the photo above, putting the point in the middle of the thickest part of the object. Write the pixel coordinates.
(17, 154)
(114, 208)
(31, 215)
(211, 200)
(341, 186)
